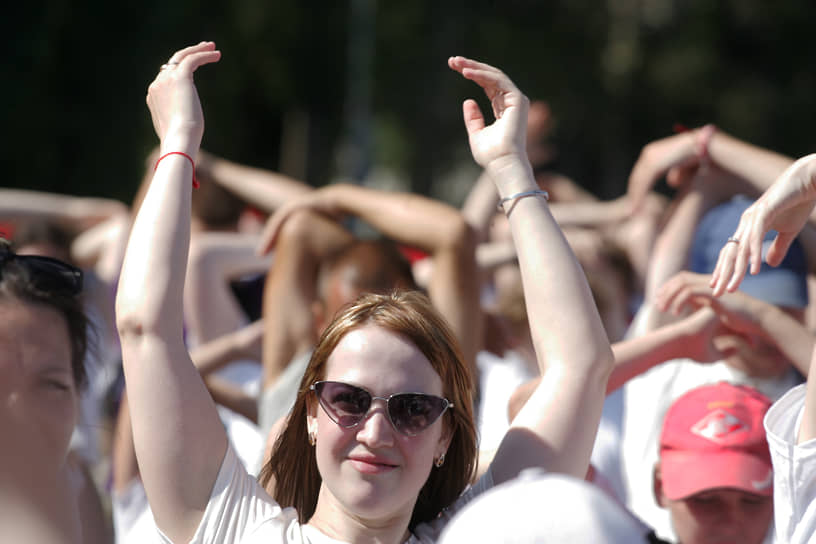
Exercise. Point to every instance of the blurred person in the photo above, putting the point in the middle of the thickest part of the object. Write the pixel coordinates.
(45, 494)
(714, 474)
(786, 207)
(761, 357)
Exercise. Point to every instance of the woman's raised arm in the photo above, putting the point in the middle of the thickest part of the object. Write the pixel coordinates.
(556, 428)
(178, 437)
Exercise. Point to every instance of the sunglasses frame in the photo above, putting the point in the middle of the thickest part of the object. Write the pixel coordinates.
(314, 389)
(45, 271)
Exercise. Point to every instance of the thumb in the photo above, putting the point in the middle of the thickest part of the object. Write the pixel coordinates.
(474, 120)
(779, 248)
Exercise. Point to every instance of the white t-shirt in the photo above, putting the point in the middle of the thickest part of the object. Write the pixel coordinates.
(240, 511)
(499, 377)
(794, 470)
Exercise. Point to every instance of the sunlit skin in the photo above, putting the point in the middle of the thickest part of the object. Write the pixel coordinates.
(719, 516)
(372, 474)
(760, 358)
(37, 392)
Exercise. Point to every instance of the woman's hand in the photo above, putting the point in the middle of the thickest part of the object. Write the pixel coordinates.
(505, 139)
(785, 208)
(320, 201)
(173, 100)
(674, 156)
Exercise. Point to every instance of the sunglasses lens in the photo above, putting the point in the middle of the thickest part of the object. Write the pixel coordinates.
(54, 275)
(345, 404)
(47, 274)
(412, 413)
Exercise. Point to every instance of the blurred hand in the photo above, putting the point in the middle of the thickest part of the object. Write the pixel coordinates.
(739, 312)
(674, 157)
(784, 207)
(320, 201)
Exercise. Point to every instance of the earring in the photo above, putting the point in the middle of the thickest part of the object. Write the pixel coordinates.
(312, 438)
(440, 461)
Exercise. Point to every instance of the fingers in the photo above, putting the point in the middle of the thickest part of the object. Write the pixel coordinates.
(474, 120)
(269, 235)
(779, 248)
(459, 63)
(724, 269)
(684, 288)
(179, 55)
(191, 62)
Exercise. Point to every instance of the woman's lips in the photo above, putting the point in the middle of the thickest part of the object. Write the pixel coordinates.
(371, 466)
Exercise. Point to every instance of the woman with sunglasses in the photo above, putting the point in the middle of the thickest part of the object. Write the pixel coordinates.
(42, 349)
(380, 444)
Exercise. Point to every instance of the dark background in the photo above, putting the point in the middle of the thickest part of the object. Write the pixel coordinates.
(322, 89)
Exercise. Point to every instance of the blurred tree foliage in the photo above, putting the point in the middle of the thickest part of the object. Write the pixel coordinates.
(343, 85)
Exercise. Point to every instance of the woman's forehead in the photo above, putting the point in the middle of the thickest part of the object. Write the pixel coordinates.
(383, 362)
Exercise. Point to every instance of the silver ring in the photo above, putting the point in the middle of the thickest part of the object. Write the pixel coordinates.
(168, 64)
(733, 239)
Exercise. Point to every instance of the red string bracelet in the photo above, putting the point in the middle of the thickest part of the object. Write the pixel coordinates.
(196, 185)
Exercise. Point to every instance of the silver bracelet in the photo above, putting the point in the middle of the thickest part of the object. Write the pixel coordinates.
(535, 192)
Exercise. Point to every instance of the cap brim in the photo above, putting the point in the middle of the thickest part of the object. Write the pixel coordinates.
(686, 473)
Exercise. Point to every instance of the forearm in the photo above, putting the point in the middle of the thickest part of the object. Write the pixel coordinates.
(407, 218)
(240, 344)
(792, 338)
(17, 204)
(480, 205)
(638, 355)
(264, 189)
(490, 255)
(589, 213)
(152, 279)
(760, 167)
(233, 397)
(807, 428)
(673, 245)
(290, 291)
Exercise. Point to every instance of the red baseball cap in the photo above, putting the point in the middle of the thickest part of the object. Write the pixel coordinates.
(713, 437)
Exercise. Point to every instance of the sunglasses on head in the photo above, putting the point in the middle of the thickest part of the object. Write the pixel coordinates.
(409, 413)
(46, 274)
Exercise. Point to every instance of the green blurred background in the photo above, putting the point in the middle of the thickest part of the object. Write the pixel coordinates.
(360, 88)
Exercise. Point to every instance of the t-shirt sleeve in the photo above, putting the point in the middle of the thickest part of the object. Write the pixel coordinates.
(238, 505)
(429, 532)
(794, 469)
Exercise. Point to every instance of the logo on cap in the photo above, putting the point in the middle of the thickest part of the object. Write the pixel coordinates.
(719, 426)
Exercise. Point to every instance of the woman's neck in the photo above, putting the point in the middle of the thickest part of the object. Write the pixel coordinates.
(335, 521)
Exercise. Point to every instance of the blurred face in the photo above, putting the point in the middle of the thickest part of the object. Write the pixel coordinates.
(37, 391)
(719, 516)
(372, 471)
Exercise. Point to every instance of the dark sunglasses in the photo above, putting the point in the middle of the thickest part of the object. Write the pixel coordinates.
(46, 274)
(410, 413)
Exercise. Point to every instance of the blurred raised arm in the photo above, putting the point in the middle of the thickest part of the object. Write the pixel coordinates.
(682, 154)
(264, 189)
(571, 346)
(423, 223)
(178, 437)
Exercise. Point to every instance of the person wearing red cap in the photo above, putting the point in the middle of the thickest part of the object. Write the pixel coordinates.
(715, 474)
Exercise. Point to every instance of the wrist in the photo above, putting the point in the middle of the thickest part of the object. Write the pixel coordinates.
(180, 140)
(702, 142)
(511, 174)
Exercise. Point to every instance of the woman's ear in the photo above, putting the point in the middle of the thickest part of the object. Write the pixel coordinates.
(444, 440)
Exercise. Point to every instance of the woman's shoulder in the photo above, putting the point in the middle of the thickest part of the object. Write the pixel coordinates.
(240, 510)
